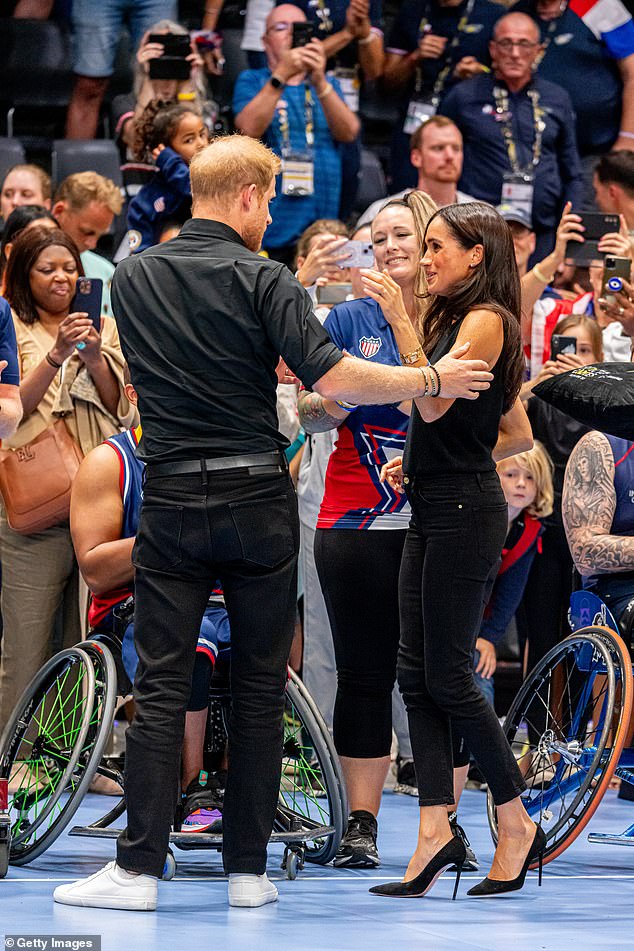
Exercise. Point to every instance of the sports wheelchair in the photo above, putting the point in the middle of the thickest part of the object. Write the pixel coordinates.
(568, 726)
(55, 741)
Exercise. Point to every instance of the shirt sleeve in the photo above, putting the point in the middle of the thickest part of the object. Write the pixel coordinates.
(505, 599)
(610, 22)
(175, 172)
(248, 85)
(8, 346)
(294, 331)
(403, 37)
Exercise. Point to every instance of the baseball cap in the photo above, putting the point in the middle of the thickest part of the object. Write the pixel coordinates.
(515, 213)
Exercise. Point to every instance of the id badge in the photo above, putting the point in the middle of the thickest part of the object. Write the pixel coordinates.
(418, 111)
(297, 177)
(518, 189)
(350, 85)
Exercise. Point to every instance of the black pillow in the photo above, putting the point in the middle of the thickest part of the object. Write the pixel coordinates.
(600, 395)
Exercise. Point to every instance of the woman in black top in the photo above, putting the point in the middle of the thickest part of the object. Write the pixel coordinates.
(458, 527)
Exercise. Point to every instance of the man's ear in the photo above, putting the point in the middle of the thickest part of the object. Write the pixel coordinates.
(58, 208)
(248, 196)
(416, 158)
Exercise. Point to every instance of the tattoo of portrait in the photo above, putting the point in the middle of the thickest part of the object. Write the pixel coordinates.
(313, 416)
(588, 506)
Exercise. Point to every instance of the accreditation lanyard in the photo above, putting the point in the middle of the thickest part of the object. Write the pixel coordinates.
(309, 124)
(505, 118)
(424, 27)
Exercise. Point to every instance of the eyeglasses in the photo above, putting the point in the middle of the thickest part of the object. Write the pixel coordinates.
(525, 46)
(280, 27)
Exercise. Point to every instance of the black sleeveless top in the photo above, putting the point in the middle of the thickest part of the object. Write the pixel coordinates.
(462, 440)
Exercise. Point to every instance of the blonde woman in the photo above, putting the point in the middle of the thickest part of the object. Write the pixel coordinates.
(362, 522)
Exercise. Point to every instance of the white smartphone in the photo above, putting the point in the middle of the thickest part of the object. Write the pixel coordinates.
(358, 254)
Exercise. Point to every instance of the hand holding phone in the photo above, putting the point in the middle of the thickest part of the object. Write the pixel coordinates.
(355, 254)
(615, 271)
(87, 299)
(561, 345)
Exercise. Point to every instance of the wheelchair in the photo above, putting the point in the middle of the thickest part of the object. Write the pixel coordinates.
(54, 745)
(568, 726)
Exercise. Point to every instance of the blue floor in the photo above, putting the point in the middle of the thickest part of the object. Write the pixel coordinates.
(585, 903)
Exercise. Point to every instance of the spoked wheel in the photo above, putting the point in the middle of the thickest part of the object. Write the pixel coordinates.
(567, 728)
(311, 788)
(52, 745)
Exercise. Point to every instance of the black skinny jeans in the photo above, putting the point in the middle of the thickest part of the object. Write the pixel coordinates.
(241, 527)
(358, 572)
(453, 546)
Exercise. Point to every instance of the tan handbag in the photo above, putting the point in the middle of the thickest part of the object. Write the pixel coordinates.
(36, 479)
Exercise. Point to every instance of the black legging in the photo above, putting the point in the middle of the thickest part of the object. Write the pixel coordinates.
(358, 571)
(453, 547)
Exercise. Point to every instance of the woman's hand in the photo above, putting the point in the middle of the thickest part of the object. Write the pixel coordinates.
(570, 228)
(392, 473)
(563, 363)
(72, 330)
(487, 661)
(386, 292)
(617, 242)
(147, 52)
(90, 353)
(321, 262)
(285, 374)
(623, 308)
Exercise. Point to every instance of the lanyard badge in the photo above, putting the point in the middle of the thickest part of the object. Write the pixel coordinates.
(518, 184)
(298, 168)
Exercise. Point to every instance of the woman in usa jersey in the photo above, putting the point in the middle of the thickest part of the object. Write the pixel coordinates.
(363, 522)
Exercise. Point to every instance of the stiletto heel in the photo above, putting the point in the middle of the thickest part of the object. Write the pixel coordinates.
(455, 888)
(490, 887)
(454, 853)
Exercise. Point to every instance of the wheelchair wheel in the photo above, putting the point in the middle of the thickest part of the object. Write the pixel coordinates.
(567, 728)
(311, 788)
(53, 744)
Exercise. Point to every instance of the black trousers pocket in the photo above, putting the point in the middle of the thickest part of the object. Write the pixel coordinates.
(265, 530)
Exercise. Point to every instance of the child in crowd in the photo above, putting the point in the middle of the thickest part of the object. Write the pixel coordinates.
(171, 134)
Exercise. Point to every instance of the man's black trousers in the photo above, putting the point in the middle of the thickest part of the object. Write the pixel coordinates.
(239, 526)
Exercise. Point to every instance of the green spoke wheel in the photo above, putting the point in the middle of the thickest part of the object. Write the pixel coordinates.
(311, 787)
(52, 745)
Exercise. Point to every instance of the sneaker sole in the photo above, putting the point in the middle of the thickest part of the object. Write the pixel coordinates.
(130, 904)
(255, 902)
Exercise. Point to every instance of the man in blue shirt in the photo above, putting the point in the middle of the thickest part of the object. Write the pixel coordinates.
(519, 133)
(589, 51)
(432, 44)
(10, 403)
(302, 117)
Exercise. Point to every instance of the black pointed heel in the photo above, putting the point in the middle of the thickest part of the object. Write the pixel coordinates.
(490, 887)
(453, 853)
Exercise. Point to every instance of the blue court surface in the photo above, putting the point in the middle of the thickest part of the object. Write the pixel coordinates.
(586, 901)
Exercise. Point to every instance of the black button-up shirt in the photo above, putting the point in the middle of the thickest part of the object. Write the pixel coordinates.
(202, 322)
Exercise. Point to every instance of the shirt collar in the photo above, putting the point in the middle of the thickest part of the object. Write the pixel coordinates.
(209, 228)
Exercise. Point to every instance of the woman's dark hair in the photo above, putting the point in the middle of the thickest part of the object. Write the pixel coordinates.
(493, 285)
(26, 251)
(18, 220)
(158, 125)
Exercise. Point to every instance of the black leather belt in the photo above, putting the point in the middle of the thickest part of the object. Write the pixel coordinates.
(191, 466)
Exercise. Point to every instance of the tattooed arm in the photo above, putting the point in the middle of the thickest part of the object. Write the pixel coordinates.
(317, 414)
(588, 506)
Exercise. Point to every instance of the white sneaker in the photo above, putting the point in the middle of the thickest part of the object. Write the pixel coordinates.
(251, 891)
(111, 887)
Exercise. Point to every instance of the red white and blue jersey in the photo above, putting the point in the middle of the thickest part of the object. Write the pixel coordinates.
(370, 436)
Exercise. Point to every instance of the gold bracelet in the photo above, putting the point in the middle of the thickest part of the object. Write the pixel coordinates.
(409, 359)
(540, 277)
(325, 92)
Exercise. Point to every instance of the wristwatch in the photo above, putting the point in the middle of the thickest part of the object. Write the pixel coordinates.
(276, 83)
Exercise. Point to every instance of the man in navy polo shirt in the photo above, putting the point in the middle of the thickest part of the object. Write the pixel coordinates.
(10, 403)
(519, 133)
(432, 45)
(589, 51)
